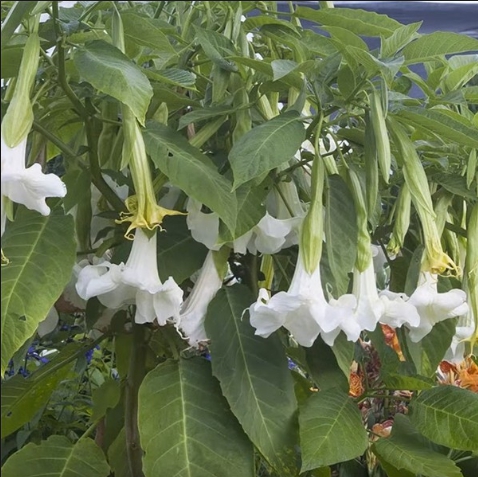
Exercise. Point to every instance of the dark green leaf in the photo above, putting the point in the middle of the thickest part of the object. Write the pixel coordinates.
(15, 16)
(58, 457)
(331, 430)
(41, 251)
(191, 171)
(266, 147)
(186, 426)
(406, 450)
(340, 231)
(447, 415)
(202, 114)
(254, 378)
(216, 47)
(179, 255)
(456, 185)
(111, 72)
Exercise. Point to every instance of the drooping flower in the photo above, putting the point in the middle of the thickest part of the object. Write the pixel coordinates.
(137, 282)
(302, 310)
(27, 186)
(193, 311)
(434, 307)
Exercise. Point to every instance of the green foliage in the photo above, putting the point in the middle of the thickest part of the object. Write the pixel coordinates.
(186, 426)
(57, 456)
(447, 415)
(230, 112)
(41, 253)
(254, 379)
(331, 430)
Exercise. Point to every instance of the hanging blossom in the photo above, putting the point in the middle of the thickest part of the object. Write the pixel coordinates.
(303, 309)
(21, 184)
(269, 236)
(431, 306)
(136, 282)
(193, 311)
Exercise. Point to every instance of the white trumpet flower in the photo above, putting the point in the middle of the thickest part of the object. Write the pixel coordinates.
(193, 311)
(302, 310)
(26, 185)
(434, 307)
(137, 281)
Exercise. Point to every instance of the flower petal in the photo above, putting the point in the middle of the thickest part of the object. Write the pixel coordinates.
(167, 302)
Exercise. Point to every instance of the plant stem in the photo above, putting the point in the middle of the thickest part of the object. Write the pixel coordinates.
(136, 373)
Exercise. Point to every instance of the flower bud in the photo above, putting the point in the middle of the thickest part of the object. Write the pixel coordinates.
(382, 143)
(18, 119)
(401, 220)
(364, 251)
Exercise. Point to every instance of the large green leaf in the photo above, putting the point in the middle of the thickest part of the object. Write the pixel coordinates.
(357, 21)
(456, 184)
(179, 255)
(447, 415)
(112, 72)
(401, 37)
(216, 47)
(41, 251)
(22, 398)
(146, 32)
(265, 147)
(186, 426)
(440, 124)
(340, 231)
(331, 430)
(58, 457)
(438, 43)
(406, 451)
(254, 378)
(191, 171)
(199, 115)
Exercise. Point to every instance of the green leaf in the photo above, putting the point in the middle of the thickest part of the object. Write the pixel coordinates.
(438, 43)
(22, 398)
(11, 59)
(216, 47)
(456, 185)
(447, 415)
(261, 20)
(105, 397)
(406, 450)
(342, 37)
(58, 457)
(42, 252)
(331, 430)
(456, 79)
(250, 210)
(281, 68)
(324, 368)
(146, 32)
(254, 378)
(203, 114)
(191, 171)
(186, 426)
(357, 21)
(173, 76)
(112, 72)
(438, 123)
(400, 38)
(340, 228)
(428, 353)
(14, 18)
(266, 147)
(179, 255)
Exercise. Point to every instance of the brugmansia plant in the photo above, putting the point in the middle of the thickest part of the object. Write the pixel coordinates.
(237, 242)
